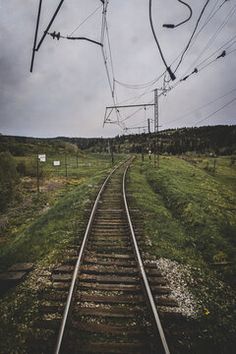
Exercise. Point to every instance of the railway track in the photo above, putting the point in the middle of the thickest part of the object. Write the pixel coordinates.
(111, 297)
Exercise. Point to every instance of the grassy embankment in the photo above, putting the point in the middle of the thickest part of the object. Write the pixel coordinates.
(42, 231)
(189, 217)
(28, 226)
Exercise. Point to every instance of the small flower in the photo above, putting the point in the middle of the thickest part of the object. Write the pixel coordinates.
(206, 311)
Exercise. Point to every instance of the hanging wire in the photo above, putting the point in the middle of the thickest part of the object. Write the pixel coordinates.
(191, 37)
(153, 82)
(172, 76)
(214, 36)
(207, 21)
(186, 20)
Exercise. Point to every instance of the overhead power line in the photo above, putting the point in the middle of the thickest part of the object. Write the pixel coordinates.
(214, 36)
(209, 18)
(59, 36)
(218, 110)
(191, 37)
(201, 107)
(186, 20)
(172, 76)
(85, 20)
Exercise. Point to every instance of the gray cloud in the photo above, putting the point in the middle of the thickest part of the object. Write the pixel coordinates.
(68, 91)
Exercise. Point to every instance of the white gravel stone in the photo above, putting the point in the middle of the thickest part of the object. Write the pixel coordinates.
(176, 274)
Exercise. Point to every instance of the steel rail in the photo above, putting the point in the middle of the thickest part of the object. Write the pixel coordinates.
(143, 273)
(78, 263)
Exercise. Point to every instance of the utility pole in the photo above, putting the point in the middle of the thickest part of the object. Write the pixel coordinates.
(77, 158)
(66, 165)
(37, 172)
(156, 129)
(149, 126)
(112, 154)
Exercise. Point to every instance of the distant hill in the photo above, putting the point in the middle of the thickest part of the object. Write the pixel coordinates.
(220, 139)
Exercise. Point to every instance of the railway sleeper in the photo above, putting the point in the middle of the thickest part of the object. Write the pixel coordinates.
(100, 269)
(111, 299)
(113, 262)
(109, 279)
(109, 330)
(115, 347)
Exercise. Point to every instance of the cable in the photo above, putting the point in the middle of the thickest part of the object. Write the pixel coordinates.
(214, 36)
(172, 76)
(201, 107)
(181, 23)
(211, 15)
(59, 36)
(110, 53)
(219, 109)
(221, 47)
(232, 51)
(104, 29)
(85, 20)
(140, 86)
(194, 31)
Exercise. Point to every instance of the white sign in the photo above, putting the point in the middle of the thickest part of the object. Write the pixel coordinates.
(56, 163)
(42, 157)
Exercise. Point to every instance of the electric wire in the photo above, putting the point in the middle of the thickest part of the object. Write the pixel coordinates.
(191, 37)
(186, 20)
(224, 46)
(214, 36)
(85, 20)
(218, 110)
(209, 18)
(152, 82)
(140, 86)
(104, 30)
(201, 107)
(172, 76)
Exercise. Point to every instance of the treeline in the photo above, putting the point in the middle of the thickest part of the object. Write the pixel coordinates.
(23, 146)
(220, 139)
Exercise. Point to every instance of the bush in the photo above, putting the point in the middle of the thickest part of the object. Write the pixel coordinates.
(8, 179)
(21, 168)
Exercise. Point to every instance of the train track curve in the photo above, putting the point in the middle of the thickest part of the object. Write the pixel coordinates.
(111, 295)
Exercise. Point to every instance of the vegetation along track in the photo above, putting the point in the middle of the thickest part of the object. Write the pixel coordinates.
(109, 304)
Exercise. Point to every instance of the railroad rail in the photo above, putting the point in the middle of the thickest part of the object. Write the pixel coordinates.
(112, 297)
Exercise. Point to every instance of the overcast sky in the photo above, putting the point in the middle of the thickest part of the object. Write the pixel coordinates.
(68, 91)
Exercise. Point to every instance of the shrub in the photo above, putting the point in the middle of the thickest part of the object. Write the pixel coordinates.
(8, 179)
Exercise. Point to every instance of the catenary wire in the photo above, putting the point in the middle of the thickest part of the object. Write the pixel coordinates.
(191, 37)
(201, 107)
(86, 19)
(218, 110)
(214, 36)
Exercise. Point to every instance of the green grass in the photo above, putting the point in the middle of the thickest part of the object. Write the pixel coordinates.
(195, 207)
(189, 216)
(38, 224)
(44, 241)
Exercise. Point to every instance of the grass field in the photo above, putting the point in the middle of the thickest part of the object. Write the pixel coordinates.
(189, 217)
(34, 224)
(189, 214)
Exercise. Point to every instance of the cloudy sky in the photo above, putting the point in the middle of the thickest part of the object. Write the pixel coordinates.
(68, 91)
